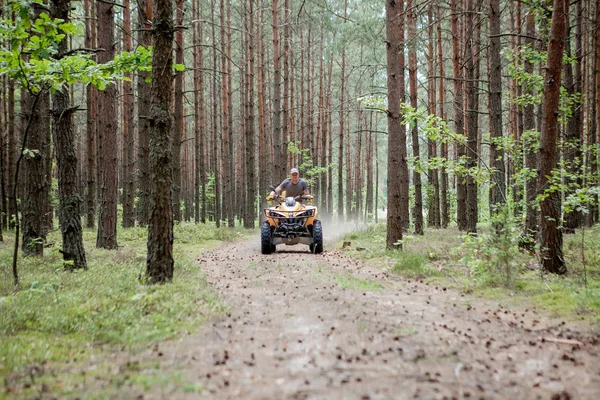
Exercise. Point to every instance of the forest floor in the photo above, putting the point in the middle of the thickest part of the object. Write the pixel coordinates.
(332, 326)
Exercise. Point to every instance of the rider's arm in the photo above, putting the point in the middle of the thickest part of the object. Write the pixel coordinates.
(277, 191)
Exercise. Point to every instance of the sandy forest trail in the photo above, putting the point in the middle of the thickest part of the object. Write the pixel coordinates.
(306, 326)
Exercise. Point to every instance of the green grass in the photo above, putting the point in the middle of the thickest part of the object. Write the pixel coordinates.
(354, 283)
(57, 315)
(442, 257)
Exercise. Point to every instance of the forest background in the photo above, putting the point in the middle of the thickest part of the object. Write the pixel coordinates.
(259, 87)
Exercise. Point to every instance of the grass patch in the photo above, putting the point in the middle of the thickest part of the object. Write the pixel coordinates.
(354, 283)
(57, 315)
(444, 256)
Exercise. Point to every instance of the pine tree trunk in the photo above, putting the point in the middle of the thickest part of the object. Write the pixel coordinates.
(107, 128)
(128, 129)
(264, 178)
(200, 120)
(594, 217)
(215, 125)
(37, 182)
(550, 235)
(498, 177)
(573, 155)
(433, 190)
(11, 153)
(461, 190)
(225, 162)
(145, 17)
(91, 112)
(340, 171)
(178, 114)
(329, 120)
(471, 37)
(279, 164)
(444, 202)
(396, 160)
(159, 262)
(66, 160)
(531, 148)
(250, 158)
(412, 78)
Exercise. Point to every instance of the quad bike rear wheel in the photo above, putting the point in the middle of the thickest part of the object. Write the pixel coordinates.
(266, 244)
(316, 246)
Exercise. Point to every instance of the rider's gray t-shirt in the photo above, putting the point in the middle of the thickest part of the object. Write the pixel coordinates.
(292, 190)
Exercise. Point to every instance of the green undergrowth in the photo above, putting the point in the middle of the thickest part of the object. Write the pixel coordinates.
(485, 265)
(57, 315)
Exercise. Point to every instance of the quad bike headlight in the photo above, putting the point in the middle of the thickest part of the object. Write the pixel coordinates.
(273, 214)
(307, 213)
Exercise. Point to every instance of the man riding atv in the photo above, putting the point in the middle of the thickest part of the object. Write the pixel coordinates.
(291, 222)
(293, 186)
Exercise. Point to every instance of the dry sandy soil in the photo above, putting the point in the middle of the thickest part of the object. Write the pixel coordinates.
(304, 326)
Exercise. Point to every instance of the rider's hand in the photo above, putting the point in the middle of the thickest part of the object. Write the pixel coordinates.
(272, 195)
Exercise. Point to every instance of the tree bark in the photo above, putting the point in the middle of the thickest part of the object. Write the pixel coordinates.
(37, 182)
(433, 201)
(412, 78)
(572, 154)
(91, 126)
(279, 164)
(107, 129)
(461, 190)
(396, 161)
(159, 262)
(178, 118)
(66, 159)
(531, 147)
(128, 129)
(145, 17)
(471, 38)
(550, 235)
(445, 206)
(250, 158)
(200, 120)
(341, 134)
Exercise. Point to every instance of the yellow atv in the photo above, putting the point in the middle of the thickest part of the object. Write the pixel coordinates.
(290, 223)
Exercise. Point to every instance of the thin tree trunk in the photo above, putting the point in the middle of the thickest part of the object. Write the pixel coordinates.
(498, 177)
(200, 120)
(159, 262)
(572, 154)
(37, 182)
(128, 129)
(250, 134)
(215, 126)
(145, 17)
(341, 134)
(279, 165)
(107, 117)
(396, 161)
(433, 200)
(178, 114)
(461, 190)
(550, 234)
(91, 112)
(412, 78)
(445, 206)
(471, 37)
(594, 217)
(66, 158)
(263, 166)
(531, 148)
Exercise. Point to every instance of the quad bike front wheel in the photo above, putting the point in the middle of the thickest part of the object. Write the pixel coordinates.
(266, 244)
(316, 246)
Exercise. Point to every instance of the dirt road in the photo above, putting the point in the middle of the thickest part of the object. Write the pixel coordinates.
(305, 326)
